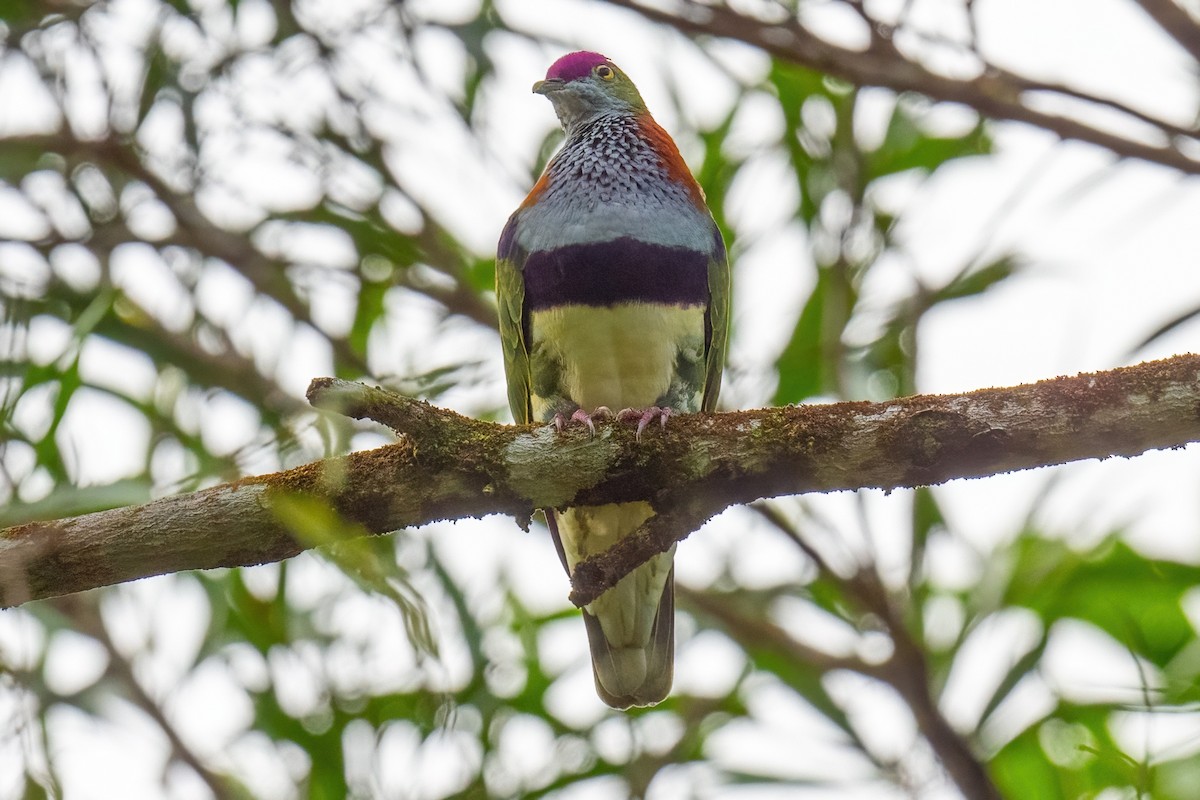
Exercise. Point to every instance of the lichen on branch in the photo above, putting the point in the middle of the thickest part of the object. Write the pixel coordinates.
(446, 466)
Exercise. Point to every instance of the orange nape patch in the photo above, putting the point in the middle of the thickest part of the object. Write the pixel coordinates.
(677, 168)
(542, 184)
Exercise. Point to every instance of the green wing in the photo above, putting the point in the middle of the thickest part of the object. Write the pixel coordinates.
(510, 298)
(717, 321)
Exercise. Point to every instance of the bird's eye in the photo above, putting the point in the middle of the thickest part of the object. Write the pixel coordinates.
(605, 72)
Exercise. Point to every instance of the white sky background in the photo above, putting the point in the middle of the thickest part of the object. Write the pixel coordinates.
(1110, 252)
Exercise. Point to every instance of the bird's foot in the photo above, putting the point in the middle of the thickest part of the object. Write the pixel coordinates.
(583, 417)
(644, 417)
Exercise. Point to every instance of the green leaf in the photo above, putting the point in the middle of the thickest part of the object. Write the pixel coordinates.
(793, 86)
(975, 281)
(1177, 779)
(71, 501)
(809, 363)
(1023, 667)
(926, 518)
(1096, 760)
(1069, 755)
(716, 172)
(907, 146)
(18, 159)
(160, 72)
(1021, 770)
(21, 13)
(800, 363)
(369, 310)
(1164, 329)
(1136, 600)
(481, 274)
(369, 560)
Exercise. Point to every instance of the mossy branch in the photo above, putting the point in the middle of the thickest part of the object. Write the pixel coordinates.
(447, 466)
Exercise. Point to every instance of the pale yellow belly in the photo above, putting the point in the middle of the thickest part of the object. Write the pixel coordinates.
(625, 356)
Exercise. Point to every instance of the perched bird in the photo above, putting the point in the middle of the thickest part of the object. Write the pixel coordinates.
(613, 287)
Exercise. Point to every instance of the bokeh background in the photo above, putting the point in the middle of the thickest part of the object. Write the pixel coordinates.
(203, 205)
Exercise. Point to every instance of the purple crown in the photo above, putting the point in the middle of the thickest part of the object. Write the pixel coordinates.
(575, 65)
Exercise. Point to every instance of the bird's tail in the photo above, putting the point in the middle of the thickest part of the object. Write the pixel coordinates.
(631, 627)
(637, 675)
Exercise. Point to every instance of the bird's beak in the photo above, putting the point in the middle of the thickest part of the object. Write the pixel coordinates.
(547, 86)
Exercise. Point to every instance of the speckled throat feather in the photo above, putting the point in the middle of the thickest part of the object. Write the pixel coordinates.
(621, 159)
(618, 176)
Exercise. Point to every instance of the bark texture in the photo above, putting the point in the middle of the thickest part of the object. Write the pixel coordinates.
(446, 466)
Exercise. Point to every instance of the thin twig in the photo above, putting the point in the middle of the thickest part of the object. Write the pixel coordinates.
(1176, 22)
(908, 673)
(992, 94)
(81, 610)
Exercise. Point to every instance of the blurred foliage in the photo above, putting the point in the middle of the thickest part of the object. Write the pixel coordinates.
(219, 201)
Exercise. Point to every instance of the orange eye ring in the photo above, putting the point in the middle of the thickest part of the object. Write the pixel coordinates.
(605, 72)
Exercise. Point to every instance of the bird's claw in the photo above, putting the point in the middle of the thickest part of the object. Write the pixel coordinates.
(582, 416)
(644, 417)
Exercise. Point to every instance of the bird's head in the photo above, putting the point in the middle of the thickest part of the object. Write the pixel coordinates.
(583, 86)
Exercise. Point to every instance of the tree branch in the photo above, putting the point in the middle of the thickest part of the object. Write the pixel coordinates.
(450, 467)
(1176, 22)
(906, 670)
(194, 230)
(993, 93)
(85, 618)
